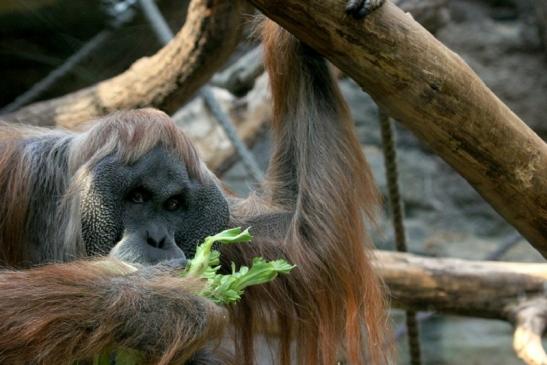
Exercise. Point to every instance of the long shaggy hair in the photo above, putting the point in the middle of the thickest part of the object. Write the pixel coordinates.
(332, 306)
(318, 193)
(46, 169)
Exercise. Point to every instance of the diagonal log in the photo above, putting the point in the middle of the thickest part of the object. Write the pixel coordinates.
(431, 90)
(165, 80)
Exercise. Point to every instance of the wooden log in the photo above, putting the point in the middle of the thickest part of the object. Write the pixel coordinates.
(484, 289)
(515, 292)
(239, 77)
(165, 80)
(421, 83)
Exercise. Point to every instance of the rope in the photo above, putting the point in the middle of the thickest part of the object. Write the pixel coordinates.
(43, 85)
(397, 216)
(224, 120)
(164, 34)
(156, 21)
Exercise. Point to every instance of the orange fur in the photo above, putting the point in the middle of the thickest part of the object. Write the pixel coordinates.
(58, 314)
(14, 194)
(332, 302)
(317, 196)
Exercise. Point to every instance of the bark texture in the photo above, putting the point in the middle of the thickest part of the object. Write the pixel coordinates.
(508, 291)
(430, 89)
(475, 288)
(165, 80)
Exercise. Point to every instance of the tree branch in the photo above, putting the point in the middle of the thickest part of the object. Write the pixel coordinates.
(434, 93)
(165, 80)
(514, 292)
(484, 289)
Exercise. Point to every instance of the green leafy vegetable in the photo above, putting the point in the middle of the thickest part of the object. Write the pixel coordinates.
(122, 356)
(205, 257)
(221, 289)
(226, 289)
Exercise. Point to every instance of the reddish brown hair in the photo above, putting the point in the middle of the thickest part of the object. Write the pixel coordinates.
(27, 160)
(333, 303)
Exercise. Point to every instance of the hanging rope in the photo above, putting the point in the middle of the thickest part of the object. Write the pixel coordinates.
(164, 34)
(397, 217)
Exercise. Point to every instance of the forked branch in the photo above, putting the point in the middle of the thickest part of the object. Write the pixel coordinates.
(515, 292)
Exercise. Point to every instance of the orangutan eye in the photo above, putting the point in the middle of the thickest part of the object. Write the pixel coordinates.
(138, 195)
(173, 203)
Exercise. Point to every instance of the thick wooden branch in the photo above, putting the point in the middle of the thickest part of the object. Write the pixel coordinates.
(420, 82)
(476, 288)
(165, 80)
(239, 77)
(515, 292)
